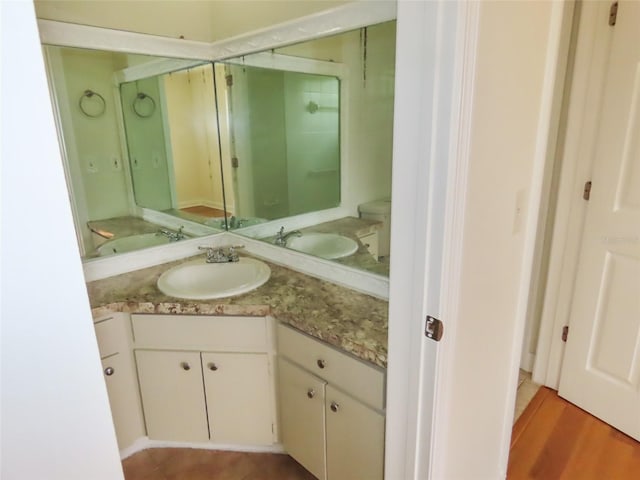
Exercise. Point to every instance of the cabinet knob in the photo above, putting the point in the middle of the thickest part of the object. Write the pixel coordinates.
(109, 371)
(212, 366)
(321, 363)
(185, 366)
(311, 393)
(334, 407)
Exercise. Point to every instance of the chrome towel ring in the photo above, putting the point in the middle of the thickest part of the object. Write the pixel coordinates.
(144, 105)
(92, 104)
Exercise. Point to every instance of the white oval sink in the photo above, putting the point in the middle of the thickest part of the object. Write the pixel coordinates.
(133, 242)
(324, 245)
(198, 280)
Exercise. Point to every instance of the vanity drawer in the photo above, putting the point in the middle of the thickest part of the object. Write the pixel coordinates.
(196, 332)
(355, 377)
(110, 337)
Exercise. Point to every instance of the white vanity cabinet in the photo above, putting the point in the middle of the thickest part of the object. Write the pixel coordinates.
(331, 409)
(172, 395)
(113, 333)
(206, 378)
(370, 241)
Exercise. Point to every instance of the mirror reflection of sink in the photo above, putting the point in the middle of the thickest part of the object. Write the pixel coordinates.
(198, 280)
(325, 245)
(234, 222)
(130, 243)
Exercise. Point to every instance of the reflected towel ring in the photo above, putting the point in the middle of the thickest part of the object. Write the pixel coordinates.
(140, 104)
(100, 107)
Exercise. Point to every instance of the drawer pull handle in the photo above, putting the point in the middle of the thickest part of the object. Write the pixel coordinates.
(185, 366)
(334, 407)
(109, 371)
(321, 363)
(212, 366)
(311, 393)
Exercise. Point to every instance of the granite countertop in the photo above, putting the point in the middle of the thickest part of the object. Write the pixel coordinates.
(352, 321)
(123, 226)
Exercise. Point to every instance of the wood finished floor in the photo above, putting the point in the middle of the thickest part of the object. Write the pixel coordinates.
(204, 211)
(553, 439)
(193, 464)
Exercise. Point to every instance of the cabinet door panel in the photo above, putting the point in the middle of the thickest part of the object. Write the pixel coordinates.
(172, 395)
(123, 399)
(302, 417)
(355, 438)
(238, 395)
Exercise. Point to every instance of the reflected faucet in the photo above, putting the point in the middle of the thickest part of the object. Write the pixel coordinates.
(172, 236)
(281, 237)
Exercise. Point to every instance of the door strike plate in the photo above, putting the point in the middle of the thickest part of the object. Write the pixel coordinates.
(433, 328)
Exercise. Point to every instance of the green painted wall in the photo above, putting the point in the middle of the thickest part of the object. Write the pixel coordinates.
(146, 143)
(96, 144)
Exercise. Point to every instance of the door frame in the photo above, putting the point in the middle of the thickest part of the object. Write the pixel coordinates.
(575, 164)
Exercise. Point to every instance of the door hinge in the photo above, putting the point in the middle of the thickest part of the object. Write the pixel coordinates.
(565, 333)
(586, 193)
(433, 328)
(229, 79)
(234, 162)
(613, 14)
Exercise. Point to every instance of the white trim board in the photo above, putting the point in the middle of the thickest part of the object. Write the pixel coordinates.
(354, 279)
(554, 70)
(576, 164)
(145, 443)
(341, 19)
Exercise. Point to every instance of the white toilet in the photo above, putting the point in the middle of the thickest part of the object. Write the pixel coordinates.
(379, 210)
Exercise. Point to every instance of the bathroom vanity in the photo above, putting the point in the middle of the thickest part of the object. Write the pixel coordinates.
(298, 363)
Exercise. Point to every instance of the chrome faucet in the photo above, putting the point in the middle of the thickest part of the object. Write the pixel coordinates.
(235, 222)
(172, 236)
(281, 237)
(222, 254)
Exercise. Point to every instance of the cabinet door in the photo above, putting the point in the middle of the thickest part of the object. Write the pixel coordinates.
(122, 388)
(172, 395)
(239, 398)
(355, 438)
(302, 415)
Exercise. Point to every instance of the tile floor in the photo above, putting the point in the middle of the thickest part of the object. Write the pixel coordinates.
(193, 464)
(526, 391)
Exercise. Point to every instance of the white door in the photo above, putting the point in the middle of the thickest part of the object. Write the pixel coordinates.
(355, 438)
(302, 421)
(600, 371)
(239, 404)
(172, 395)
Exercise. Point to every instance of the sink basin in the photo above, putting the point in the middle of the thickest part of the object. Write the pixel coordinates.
(198, 280)
(133, 242)
(324, 245)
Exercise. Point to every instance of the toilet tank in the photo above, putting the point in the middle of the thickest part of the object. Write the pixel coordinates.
(379, 210)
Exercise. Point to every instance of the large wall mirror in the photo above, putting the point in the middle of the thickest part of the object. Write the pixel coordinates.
(309, 130)
(292, 146)
(140, 135)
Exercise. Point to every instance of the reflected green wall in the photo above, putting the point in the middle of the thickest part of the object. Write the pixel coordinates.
(147, 144)
(294, 151)
(93, 144)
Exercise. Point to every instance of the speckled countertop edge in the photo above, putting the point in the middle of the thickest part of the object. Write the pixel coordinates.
(349, 320)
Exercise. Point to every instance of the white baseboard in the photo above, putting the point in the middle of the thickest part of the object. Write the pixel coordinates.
(527, 361)
(145, 443)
